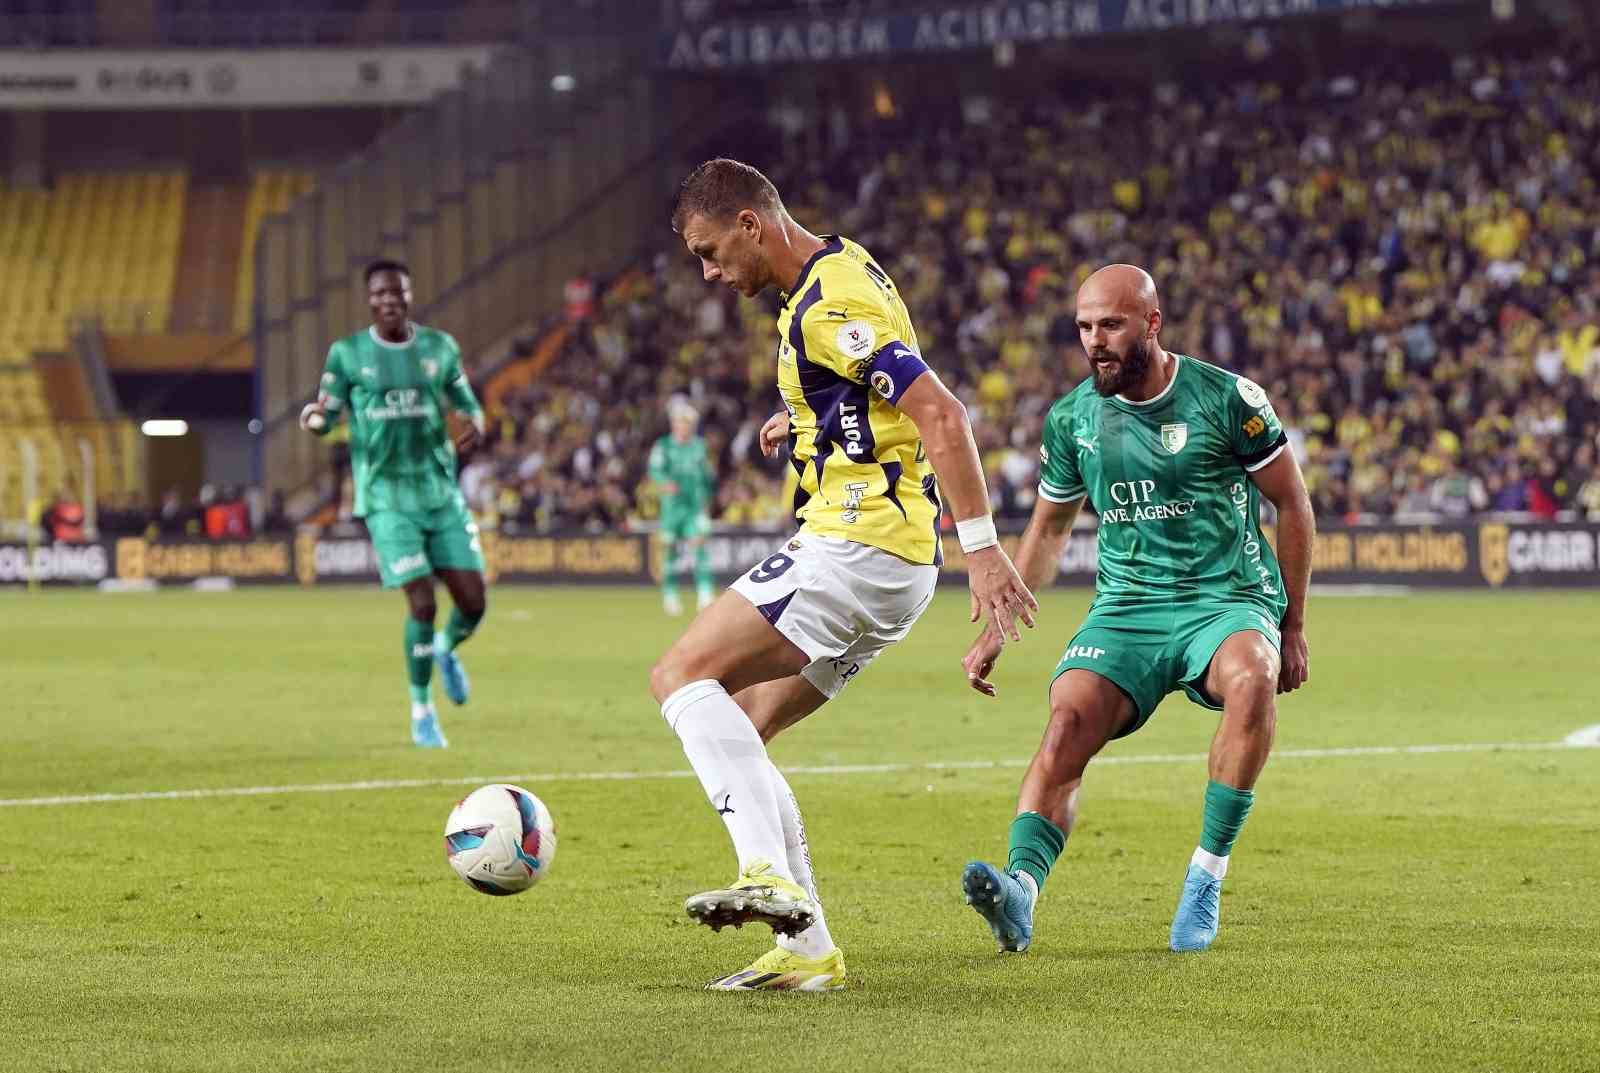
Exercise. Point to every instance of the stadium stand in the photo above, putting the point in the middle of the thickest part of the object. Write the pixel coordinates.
(1410, 266)
(96, 245)
(270, 192)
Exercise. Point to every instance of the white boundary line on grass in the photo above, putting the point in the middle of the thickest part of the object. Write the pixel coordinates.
(820, 769)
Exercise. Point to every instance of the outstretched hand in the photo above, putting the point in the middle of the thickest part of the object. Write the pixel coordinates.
(980, 660)
(998, 594)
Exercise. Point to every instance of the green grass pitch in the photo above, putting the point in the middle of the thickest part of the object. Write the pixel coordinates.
(1399, 910)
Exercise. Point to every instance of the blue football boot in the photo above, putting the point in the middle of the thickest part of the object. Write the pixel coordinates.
(1003, 900)
(452, 675)
(425, 732)
(1194, 925)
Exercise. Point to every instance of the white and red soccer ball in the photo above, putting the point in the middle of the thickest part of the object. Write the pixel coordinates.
(500, 839)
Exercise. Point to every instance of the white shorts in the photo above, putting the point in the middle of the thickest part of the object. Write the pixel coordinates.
(840, 602)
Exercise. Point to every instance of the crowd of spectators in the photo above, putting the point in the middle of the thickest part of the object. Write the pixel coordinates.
(216, 512)
(1411, 270)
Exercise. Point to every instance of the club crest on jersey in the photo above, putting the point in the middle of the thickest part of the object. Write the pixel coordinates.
(883, 384)
(856, 338)
(1173, 437)
(430, 368)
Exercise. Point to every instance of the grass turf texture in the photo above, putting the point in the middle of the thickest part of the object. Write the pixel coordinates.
(1398, 911)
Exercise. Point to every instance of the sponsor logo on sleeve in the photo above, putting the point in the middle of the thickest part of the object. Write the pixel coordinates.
(856, 338)
(1255, 426)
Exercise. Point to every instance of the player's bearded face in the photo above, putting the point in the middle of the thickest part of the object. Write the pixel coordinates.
(1115, 371)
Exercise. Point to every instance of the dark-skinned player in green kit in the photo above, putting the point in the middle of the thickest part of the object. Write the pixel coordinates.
(1174, 454)
(396, 379)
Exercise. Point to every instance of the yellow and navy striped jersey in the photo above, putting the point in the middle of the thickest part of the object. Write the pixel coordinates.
(846, 353)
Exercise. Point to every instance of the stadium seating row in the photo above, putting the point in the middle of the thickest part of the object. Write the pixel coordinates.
(271, 192)
(22, 398)
(116, 448)
(102, 245)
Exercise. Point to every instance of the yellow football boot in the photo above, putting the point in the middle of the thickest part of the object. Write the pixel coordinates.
(760, 895)
(781, 970)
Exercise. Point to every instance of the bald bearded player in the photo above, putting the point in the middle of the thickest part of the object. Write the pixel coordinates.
(1174, 454)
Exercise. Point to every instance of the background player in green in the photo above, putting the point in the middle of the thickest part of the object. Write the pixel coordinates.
(682, 471)
(395, 379)
(1172, 453)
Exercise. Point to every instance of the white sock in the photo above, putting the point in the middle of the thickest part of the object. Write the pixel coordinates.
(815, 941)
(420, 710)
(726, 753)
(1217, 866)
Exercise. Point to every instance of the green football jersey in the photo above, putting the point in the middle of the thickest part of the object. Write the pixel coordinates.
(1170, 479)
(689, 467)
(401, 454)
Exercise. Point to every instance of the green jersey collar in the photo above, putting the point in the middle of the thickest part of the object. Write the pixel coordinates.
(411, 337)
(1166, 392)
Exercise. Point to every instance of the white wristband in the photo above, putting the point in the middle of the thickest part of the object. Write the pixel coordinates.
(976, 534)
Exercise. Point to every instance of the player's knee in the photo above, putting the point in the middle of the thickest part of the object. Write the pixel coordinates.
(670, 674)
(424, 609)
(1249, 688)
(474, 605)
(1070, 739)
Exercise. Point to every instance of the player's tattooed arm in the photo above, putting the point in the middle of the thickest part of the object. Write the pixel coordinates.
(1280, 481)
(1038, 557)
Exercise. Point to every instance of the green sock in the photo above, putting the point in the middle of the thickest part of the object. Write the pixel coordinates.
(1035, 843)
(1226, 809)
(702, 571)
(419, 658)
(457, 629)
(669, 571)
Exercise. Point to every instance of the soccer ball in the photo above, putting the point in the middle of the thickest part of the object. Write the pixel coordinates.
(500, 839)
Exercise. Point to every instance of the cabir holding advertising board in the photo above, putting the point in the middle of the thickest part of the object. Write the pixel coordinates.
(1488, 554)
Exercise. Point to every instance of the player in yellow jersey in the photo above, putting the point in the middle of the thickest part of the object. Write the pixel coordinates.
(876, 441)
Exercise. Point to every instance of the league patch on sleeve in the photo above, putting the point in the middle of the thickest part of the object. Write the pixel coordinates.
(1251, 392)
(856, 338)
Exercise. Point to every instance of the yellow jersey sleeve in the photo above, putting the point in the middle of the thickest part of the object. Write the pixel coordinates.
(859, 331)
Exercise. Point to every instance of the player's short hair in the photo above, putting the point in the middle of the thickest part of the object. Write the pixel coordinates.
(387, 266)
(722, 188)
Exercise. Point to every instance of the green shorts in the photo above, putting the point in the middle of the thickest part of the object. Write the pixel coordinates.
(1150, 652)
(684, 524)
(412, 545)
